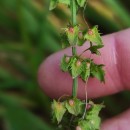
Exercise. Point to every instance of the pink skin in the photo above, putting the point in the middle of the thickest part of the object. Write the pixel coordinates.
(116, 57)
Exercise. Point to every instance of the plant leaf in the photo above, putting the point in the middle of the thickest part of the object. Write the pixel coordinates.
(84, 125)
(76, 109)
(72, 34)
(97, 71)
(16, 117)
(58, 110)
(76, 69)
(92, 115)
(94, 111)
(80, 42)
(94, 36)
(94, 49)
(86, 71)
(64, 64)
(81, 39)
(93, 124)
(53, 4)
(81, 3)
(67, 2)
(64, 40)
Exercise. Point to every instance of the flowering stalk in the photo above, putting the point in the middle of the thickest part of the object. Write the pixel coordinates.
(74, 51)
(72, 110)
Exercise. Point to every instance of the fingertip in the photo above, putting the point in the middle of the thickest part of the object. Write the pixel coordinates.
(51, 79)
(44, 77)
(56, 83)
(120, 122)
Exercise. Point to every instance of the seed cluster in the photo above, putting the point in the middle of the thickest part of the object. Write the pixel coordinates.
(73, 113)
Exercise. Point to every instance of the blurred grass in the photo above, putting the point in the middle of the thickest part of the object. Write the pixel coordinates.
(28, 34)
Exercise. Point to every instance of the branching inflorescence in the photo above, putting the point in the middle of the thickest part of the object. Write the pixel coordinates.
(70, 112)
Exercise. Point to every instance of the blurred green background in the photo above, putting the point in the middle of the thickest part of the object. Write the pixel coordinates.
(28, 34)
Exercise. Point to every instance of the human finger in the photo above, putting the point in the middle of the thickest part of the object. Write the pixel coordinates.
(115, 55)
(121, 122)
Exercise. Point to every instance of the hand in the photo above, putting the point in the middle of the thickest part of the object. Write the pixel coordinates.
(116, 57)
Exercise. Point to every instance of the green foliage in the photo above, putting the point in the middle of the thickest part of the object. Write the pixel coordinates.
(76, 67)
(53, 4)
(72, 36)
(93, 124)
(75, 108)
(71, 65)
(86, 71)
(81, 3)
(93, 115)
(26, 39)
(92, 120)
(67, 2)
(58, 110)
(23, 119)
(23, 105)
(93, 36)
(16, 117)
(94, 49)
(81, 39)
(64, 40)
(83, 68)
(97, 71)
(85, 125)
(66, 63)
(94, 110)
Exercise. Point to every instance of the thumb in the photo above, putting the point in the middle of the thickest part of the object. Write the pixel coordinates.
(121, 122)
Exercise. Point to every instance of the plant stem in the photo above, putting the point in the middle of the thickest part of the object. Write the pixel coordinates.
(73, 12)
(75, 86)
(85, 110)
(74, 51)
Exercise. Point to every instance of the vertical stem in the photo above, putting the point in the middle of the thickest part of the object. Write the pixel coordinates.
(75, 86)
(73, 12)
(74, 51)
(85, 110)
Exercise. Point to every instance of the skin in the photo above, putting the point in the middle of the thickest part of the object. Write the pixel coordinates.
(116, 57)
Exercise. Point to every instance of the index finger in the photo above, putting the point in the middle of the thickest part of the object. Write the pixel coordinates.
(115, 55)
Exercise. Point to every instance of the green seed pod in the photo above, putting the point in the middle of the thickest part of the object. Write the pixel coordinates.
(88, 106)
(88, 65)
(78, 63)
(90, 32)
(80, 35)
(71, 30)
(67, 59)
(71, 102)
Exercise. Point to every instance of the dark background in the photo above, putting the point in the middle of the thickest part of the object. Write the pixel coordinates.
(28, 34)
